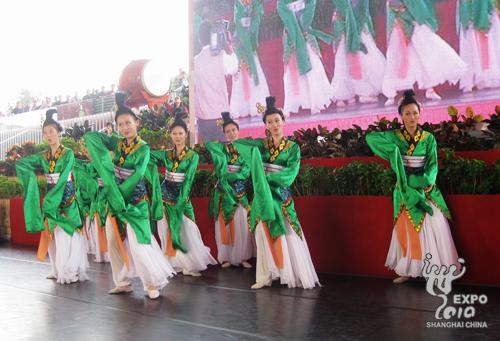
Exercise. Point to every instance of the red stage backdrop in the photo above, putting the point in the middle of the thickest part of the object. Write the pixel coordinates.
(351, 234)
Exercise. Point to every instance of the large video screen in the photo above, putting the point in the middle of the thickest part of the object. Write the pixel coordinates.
(339, 62)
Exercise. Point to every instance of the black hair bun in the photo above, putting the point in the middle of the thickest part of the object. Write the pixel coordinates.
(409, 93)
(179, 122)
(50, 113)
(49, 119)
(120, 98)
(408, 98)
(270, 103)
(226, 116)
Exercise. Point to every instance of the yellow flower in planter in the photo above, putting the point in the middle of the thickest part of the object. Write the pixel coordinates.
(478, 118)
(452, 111)
(469, 113)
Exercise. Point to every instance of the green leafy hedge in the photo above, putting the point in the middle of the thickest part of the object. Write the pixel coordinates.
(11, 187)
(456, 176)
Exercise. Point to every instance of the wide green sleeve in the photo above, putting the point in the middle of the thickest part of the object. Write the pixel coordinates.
(243, 174)
(157, 157)
(153, 177)
(363, 16)
(176, 212)
(481, 14)
(218, 157)
(286, 176)
(86, 185)
(137, 215)
(25, 171)
(293, 39)
(249, 142)
(53, 198)
(423, 12)
(261, 204)
(98, 145)
(225, 193)
(382, 145)
(429, 176)
(141, 160)
(347, 26)
(183, 198)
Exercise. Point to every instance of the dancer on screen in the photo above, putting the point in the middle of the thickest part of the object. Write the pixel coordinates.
(415, 53)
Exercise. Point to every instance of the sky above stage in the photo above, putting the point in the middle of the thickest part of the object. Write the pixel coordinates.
(57, 48)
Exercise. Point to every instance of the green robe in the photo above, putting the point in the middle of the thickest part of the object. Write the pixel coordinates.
(248, 36)
(410, 195)
(409, 12)
(272, 201)
(299, 32)
(230, 191)
(363, 16)
(346, 25)
(476, 12)
(59, 205)
(126, 199)
(88, 186)
(176, 200)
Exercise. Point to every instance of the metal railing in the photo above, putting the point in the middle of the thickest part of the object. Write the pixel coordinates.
(18, 136)
(8, 138)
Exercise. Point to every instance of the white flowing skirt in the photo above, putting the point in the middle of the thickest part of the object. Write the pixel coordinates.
(242, 248)
(198, 255)
(298, 268)
(427, 59)
(495, 33)
(478, 50)
(93, 241)
(245, 94)
(146, 261)
(309, 91)
(435, 238)
(68, 256)
(371, 71)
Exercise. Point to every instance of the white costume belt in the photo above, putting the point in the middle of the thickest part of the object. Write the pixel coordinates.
(53, 178)
(413, 161)
(123, 173)
(233, 168)
(246, 22)
(175, 177)
(296, 6)
(271, 168)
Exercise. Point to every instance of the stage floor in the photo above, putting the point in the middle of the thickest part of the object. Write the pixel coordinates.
(482, 101)
(220, 306)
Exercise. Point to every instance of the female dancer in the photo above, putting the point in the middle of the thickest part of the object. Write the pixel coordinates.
(420, 211)
(282, 250)
(359, 64)
(415, 53)
(132, 249)
(180, 237)
(305, 81)
(229, 204)
(59, 219)
(477, 44)
(249, 83)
